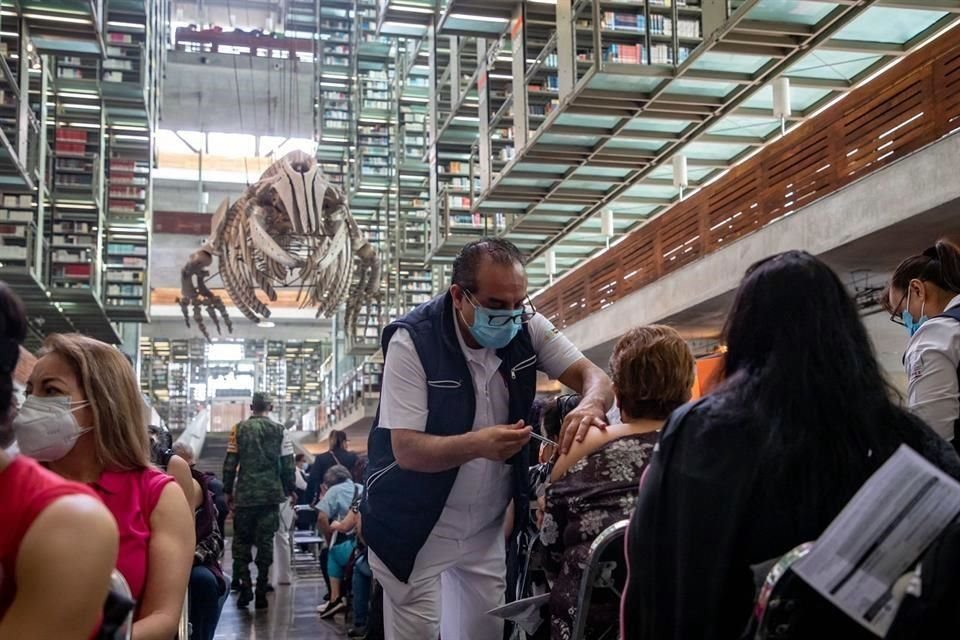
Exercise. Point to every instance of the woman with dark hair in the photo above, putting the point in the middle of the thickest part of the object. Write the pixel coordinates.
(768, 459)
(337, 453)
(924, 297)
(53, 582)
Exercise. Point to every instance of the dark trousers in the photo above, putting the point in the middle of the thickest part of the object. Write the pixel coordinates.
(362, 579)
(207, 596)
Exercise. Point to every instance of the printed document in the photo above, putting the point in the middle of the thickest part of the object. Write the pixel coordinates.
(879, 536)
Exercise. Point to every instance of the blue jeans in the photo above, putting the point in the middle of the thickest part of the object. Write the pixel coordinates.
(362, 579)
(206, 601)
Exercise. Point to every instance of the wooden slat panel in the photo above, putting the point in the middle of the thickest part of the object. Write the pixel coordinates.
(911, 105)
(681, 238)
(732, 207)
(639, 261)
(946, 81)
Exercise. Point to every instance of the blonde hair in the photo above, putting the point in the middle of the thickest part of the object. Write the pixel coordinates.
(653, 371)
(110, 386)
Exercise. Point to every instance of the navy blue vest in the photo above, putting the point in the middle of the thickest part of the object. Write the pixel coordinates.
(400, 507)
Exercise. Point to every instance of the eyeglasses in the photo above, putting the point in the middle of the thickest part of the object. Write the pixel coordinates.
(896, 317)
(527, 311)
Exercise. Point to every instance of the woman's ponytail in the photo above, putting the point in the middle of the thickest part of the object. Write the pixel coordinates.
(947, 254)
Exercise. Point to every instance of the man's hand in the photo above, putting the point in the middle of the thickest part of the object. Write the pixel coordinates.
(501, 442)
(230, 504)
(587, 414)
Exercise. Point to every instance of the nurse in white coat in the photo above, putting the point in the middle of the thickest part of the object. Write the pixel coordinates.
(924, 297)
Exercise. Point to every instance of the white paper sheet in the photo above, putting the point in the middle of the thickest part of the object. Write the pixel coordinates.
(525, 612)
(879, 536)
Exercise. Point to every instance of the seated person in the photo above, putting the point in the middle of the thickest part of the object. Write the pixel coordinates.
(595, 485)
(53, 582)
(362, 576)
(768, 459)
(84, 417)
(341, 493)
(208, 586)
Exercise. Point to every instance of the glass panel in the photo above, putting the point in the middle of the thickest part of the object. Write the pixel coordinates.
(714, 151)
(639, 145)
(580, 120)
(586, 185)
(701, 88)
(600, 171)
(624, 83)
(565, 139)
(651, 191)
(540, 168)
(843, 65)
(801, 98)
(794, 11)
(713, 61)
(887, 24)
(744, 126)
(659, 125)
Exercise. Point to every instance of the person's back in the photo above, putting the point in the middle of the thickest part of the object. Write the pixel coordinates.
(766, 461)
(336, 454)
(726, 517)
(264, 457)
(258, 446)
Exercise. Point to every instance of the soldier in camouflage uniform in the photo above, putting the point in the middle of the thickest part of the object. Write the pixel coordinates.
(265, 458)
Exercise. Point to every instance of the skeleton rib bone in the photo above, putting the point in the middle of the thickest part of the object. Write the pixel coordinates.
(290, 228)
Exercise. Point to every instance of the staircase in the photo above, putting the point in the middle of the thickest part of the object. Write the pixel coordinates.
(214, 451)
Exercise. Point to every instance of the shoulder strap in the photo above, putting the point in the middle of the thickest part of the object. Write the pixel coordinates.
(335, 458)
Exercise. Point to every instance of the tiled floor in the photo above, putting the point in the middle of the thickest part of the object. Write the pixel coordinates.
(292, 614)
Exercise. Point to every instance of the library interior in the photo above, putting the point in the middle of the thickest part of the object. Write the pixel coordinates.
(224, 211)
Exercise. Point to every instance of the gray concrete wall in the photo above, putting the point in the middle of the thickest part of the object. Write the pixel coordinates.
(200, 94)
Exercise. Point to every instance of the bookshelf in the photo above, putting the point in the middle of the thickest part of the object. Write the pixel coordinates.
(17, 229)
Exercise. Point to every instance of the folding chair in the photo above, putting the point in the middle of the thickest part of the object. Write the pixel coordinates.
(599, 573)
(311, 540)
(183, 627)
(117, 621)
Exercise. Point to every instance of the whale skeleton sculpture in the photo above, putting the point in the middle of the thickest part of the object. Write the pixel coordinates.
(291, 228)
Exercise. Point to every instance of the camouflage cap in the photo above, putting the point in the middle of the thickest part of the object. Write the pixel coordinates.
(261, 399)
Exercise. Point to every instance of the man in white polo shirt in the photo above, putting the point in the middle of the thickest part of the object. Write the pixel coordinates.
(448, 450)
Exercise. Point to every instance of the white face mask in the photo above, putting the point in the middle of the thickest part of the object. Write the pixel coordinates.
(46, 429)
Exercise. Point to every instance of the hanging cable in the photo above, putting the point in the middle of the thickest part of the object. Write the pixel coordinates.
(236, 78)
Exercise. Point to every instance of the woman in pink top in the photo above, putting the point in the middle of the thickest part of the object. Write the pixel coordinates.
(53, 583)
(84, 417)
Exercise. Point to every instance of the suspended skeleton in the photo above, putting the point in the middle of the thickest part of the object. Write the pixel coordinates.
(290, 228)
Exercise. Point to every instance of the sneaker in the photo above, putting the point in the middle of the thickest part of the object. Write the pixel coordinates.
(269, 588)
(333, 608)
(357, 632)
(261, 601)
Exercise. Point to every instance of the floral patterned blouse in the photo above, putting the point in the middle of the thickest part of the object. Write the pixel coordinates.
(596, 492)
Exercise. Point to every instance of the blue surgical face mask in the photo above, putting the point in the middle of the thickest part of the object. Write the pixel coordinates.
(912, 325)
(488, 335)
